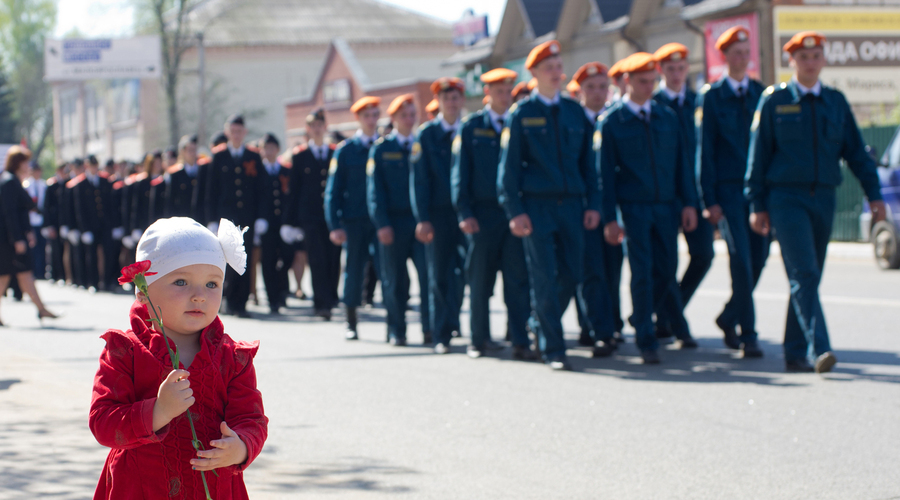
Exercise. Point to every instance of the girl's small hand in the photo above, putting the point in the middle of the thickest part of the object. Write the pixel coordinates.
(230, 450)
(175, 396)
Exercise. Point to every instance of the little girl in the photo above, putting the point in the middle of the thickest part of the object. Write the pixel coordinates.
(139, 401)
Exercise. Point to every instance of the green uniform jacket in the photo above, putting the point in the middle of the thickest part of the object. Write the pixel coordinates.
(388, 184)
(430, 170)
(476, 155)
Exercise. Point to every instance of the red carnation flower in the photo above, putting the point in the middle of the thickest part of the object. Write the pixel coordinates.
(136, 269)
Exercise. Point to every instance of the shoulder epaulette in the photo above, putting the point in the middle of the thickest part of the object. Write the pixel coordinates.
(378, 141)
(118, 184)
(514, 107)
(51, 181)
(332, 146)
(102, 174)
(159, 180)
(286, 161)
(299, 149)
(175, 168)
(219, 148)
(74, 182)
(203, 160)
(341, 144)
(252, 148)
(704, 89)
(424, 126)
(141, 176)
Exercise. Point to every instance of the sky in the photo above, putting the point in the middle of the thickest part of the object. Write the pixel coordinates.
(113, 18)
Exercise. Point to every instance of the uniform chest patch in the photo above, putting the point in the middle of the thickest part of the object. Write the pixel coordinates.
(534, 122)
(392, 156)
(484, 132)
(415, 153)
(787, 109)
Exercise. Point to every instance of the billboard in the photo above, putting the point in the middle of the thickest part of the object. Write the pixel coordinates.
(862, 48)
(470, 29)
(716, 66)
(102, 58)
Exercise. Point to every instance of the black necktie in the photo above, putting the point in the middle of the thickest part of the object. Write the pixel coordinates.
(500, 123)
(644, 115)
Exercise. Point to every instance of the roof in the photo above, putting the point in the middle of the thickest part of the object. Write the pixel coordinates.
(311, 22)
(613, 9)
(695, 9)
(542, 14)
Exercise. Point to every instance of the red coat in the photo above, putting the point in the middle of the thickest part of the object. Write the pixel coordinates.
(147, 465)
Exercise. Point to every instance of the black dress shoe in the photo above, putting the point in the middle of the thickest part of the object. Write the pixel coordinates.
(426, 338)
(324, 314)
(687, 343)
(825, 362)
(663, 332)
(441, 348)
(474, 352)
(242, 314)
(619, 337)
(732, 341)
(585, 339)
(650, 357)
(798, 366)
(351, 335)
(523, 353)
(490, 345)
(560, 365)
(604, 349)
(752, 351)
(397, 342)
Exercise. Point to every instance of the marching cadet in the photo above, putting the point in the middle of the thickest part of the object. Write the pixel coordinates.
(158, 187)
(430, 161)
(140, 194)
(52, 205)
(389, 207)
(617, 79)
(204, 163)
(92, 192)
(346, 211)
(492, 248)
(69, 227)
(520, 91)
(673, 92)
(643, 170)
(274, 259)
(128, 190)
(232, 192)
(800, 132)
(724, 114)
(183, 182)
(595, 313)
(548, 188)
(307, 229)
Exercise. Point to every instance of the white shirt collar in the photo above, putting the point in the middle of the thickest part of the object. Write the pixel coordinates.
(674, 96)
(547, 101)
(635, 108)
(735, 85)
(270, 166)
(495, 117)
(447, 126)
(816, 89)
(366, 139)
(591, 115)
(191, 170)
(236, 152)
(405, 140)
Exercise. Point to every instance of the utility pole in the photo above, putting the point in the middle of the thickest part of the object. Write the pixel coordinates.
(200, 71)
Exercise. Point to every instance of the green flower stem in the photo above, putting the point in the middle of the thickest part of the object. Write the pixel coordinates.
(173, 355)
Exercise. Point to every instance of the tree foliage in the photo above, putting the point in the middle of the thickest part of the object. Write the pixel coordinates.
(7, 120)
(23, 26)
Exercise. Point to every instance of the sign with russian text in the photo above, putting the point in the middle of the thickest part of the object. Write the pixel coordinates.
(102, 59)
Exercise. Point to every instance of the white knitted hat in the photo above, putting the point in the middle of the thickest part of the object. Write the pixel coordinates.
(173, 243)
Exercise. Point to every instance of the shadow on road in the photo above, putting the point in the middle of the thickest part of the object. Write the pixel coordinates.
(350, 473)
(6, 384)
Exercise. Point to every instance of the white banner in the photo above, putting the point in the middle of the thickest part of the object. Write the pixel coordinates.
(102, 59)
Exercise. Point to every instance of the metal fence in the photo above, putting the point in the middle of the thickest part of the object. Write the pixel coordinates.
(850, 194)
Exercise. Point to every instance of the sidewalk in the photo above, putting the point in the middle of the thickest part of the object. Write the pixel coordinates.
(836, 249)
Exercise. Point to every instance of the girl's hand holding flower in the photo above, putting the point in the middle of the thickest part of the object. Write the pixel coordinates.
(175, 396)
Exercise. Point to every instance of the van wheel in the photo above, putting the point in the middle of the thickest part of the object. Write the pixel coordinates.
(887, 245)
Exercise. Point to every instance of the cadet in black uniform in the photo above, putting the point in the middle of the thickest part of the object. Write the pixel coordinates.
(183, 186)
(52, 205)
(274, 259)
(93, 195)
(232, 192)
(304, 217)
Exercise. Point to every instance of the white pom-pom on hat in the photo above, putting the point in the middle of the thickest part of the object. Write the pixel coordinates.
(231, 238)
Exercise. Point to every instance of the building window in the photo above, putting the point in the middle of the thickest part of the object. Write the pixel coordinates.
(336, 92)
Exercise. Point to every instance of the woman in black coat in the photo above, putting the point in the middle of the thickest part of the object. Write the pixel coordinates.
(16, 236)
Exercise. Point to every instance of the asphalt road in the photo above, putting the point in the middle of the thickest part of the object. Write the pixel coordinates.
(367, 420)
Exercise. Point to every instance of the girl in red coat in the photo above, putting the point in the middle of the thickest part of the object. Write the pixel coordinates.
(139, 400)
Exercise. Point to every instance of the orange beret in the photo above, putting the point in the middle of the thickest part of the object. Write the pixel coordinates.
(432, 106)
(399, 101)
(588, 70)
(573, 87)
(447, 83)
(499, 75)
(541, 52)
(615, 71)
(519, 89)
(638, 63)
(671, 52)
(732, 35)
(365, 102)
(804, 40)
(532, 84)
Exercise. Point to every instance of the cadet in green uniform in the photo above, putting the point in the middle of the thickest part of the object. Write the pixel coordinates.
(389, 207)
(548, 188)
(430, 161)
(673, 92)
(642, 164)
(800, 132)
(345, 205)
(492, 248)
(724, 113)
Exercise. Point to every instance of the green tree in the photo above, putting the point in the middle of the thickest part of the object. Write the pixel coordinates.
(23, 26)
(7, 121)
